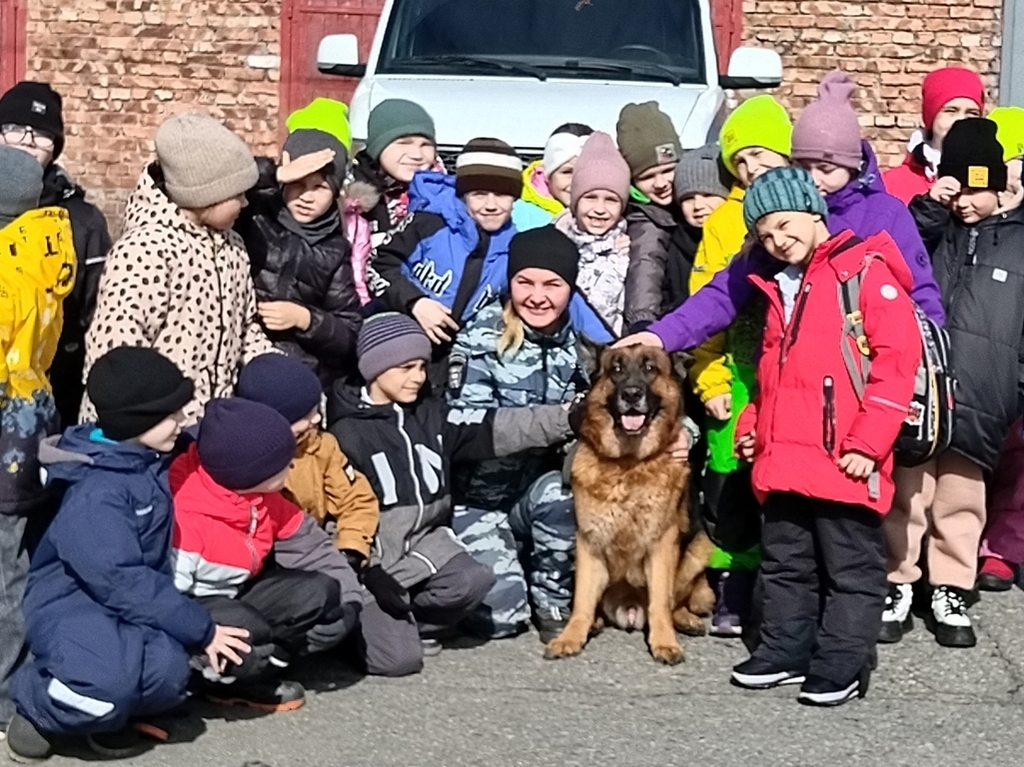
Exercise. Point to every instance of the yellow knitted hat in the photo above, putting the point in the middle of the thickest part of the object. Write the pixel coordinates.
(760, 121)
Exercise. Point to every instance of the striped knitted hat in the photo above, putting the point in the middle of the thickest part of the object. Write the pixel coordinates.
(388, 340)
(782, 189)
(488, 165)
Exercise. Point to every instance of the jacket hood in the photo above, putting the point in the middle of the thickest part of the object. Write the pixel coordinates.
(435, 193)
(149, 205)
(346, 401)
(536, 190)
(863, 185)
(656, 214)
(879, 246)
(71, 456)
(58, 186)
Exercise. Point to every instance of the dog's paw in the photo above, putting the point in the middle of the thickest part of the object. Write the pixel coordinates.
(689, 624)
(668, 654)
(562, 647)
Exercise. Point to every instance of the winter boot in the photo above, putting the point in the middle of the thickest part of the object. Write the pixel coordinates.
(733, 591)
(996, 574)
(25, 743)
(116, 745)
(897, 619)
(550, 622)
(948, 618)
(269, 695)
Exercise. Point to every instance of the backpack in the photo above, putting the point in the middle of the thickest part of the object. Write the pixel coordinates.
(928, 428)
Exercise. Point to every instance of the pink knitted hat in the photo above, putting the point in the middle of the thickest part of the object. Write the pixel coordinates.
(828, 130)
(599, 166)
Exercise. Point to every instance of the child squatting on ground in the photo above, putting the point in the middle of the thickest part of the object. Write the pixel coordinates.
(823, 566)
(254, 559)
(110, 634)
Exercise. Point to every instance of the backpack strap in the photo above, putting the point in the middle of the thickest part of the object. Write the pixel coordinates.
(858, 363)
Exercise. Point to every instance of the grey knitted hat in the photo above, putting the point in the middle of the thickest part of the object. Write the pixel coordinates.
(782, 189)
(22, 185)
(701, 172)
(203, 162)
(389, 340)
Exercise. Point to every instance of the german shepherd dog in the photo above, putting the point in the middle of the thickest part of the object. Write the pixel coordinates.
(637, 560)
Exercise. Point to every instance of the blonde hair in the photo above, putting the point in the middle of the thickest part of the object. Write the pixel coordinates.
(513, 334)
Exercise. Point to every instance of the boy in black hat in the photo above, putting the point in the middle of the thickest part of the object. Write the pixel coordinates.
(976, 256)
(31, 120)
(109, 633)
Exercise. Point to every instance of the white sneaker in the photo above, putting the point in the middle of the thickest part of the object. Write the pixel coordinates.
(897, 620)
(949, 619)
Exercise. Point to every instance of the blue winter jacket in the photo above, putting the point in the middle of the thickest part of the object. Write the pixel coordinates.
(109, 545)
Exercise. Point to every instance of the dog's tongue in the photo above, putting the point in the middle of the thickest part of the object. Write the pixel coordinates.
(632, 422)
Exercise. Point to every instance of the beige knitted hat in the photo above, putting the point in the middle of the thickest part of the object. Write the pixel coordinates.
(203, 162)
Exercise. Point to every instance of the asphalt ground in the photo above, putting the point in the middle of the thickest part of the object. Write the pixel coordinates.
(500, 704)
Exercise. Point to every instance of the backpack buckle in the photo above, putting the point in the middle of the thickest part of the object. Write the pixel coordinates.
(855, 317)
(862, 344)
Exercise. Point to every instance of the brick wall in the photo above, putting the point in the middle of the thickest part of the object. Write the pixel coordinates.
(887, 48)
(123, 65)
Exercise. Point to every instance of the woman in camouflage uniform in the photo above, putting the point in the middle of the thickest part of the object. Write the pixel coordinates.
(517, 511)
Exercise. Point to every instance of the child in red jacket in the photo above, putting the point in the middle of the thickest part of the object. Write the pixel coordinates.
(822, 455)
(254, 559)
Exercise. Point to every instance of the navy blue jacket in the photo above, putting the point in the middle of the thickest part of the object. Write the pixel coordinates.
(110, 542)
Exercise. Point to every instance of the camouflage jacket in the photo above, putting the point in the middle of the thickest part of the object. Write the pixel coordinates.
(543, 371)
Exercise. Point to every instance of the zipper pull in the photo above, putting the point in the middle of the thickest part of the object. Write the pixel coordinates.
(972, 245)
(828, 421)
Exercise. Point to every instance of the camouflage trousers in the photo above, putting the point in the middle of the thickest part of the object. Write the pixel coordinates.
(531, 549)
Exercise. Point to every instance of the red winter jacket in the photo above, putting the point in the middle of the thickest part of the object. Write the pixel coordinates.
(799, 438)
(908, 180)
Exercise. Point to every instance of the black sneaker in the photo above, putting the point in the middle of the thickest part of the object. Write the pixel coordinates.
(25, 743)
(431, 647)
(116, 745)
(550, 623)
(948, 618)
(897, 619)
(271, 695)
(819, 691)
(755, 674)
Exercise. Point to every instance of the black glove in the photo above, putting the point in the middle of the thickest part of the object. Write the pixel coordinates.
(326, 635)
(355, 559)
(389, 593)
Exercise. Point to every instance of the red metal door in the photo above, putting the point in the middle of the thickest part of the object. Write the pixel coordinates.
(727, 20)
(12, 42)
(303, 24)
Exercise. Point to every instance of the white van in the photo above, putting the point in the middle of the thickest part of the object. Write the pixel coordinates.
(517, 69)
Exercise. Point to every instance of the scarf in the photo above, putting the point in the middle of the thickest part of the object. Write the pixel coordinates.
(603, 264)
(315, 231)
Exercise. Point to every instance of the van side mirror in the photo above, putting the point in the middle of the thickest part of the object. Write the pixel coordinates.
(339, 55)
(753, 68)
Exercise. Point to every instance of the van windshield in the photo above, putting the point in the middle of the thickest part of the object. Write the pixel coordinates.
(593, 39)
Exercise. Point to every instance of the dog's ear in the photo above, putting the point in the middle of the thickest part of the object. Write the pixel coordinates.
(590, 356)
(681, 363)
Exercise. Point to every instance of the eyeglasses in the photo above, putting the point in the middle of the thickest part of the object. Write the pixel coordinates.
(16, 134)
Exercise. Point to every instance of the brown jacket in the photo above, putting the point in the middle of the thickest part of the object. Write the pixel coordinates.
(323, 483)
(180, 288)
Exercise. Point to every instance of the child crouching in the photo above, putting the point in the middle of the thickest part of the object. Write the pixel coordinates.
(110, 634)
(229, 520)
(321, 482)
(822, 455)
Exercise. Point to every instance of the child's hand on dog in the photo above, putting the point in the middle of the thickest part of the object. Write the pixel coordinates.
(856, 465)
(745, 446)
(680, 449)
(226, 641)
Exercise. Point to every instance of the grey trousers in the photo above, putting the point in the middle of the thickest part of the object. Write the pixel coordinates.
(13, 576)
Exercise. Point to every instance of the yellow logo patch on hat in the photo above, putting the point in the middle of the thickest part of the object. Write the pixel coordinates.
(977, 177)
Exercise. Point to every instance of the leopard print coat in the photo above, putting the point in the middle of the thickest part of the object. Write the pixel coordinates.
(180, 288)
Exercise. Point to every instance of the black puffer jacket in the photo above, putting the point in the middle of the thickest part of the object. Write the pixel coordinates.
(651, 248)
(980, 271)
(92, 243)
(287, 267)
(682, 250)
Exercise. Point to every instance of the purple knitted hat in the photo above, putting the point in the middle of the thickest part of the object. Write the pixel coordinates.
(828, 130)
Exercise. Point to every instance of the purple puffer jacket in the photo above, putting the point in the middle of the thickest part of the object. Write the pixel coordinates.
(862, 206)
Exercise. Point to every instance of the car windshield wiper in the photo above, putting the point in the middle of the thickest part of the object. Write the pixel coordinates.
(505, 66)
(633, 67)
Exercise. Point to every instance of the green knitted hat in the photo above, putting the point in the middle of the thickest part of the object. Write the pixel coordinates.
(391, 120)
